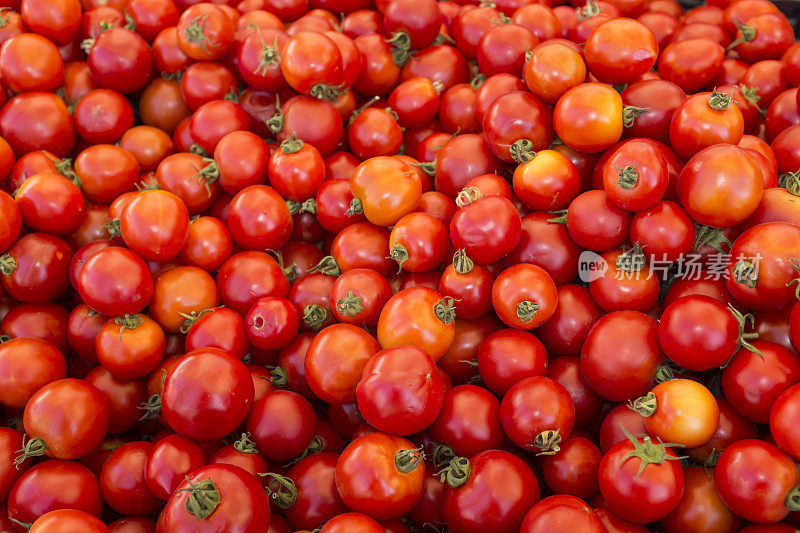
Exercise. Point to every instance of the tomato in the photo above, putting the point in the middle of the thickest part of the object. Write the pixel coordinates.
(412, 25)
(573, 470)
(58, 21)
(638, 469)
(30, 62)
(122, 480)
(207, 394)
(720, 170)
(350, 521)
(281, 424)
(120, 59)
(296, 171)
(493, 489)
(205, 32)
(469, 421)
(358, 295)
(418, 242)
(552, 512)
(419, 316)
(11, 441)
(247, 276)
(26, 365)
(402, 376)
(508, 356)
(664, 230)
(11, 223)
(66, 419)
(387, 189)
(705, 119)
(259, 58)
(179, 294)
(620, 51)
(589, 117)
(130, 347)
(103, 288)
(54, 129)
(168, 461)
(660, 98)
(691, 64)
(218, 498)
(380, 474)
(208, 244)
(335, 361)
(547, 182)
(148, 232)
(537, 414)
(752, 381)
(311, 63)
(755, 464)
(700, 507)
(524, 296)
(517, 124)
(68, 521)
(635, 176)
(553, 68)
(485, 239)
(621, 354)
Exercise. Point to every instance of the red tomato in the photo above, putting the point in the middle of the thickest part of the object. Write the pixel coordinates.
(552, 512)
(537, 414)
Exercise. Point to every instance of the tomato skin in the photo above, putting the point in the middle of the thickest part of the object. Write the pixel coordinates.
(519, 286)
(68, 521)
(621, 50)
(533, 408)
(499, 492)
(388, 188)
(783, 421)
(403, 376)
(370, 480)
(700, 508)
(168, 461)
(691, 64)
(122, 480)
(686, 413)
(370, 289)
(697, 125)
(121, 60)
(645, 160)
(42, 68)
(130, 353)
(54, 132)
(420, 242)
(664, 230)
(508, 356)
(142, 232)
(10, 444)
(352, 521)
(469, 421)
(660, 484)
(588, 117)
(755, 465)
(310, 58)
(207, 394)
(318, 500)
(26, 365)
(752, 384)
(281, 424)
(70, 415)
(335, 362)
(573, 470)
(486, 239)
(553, 68)
(662, 97)
(596, 223)
(11, 223)
(419, 316)
(205, 32)
(247, 276)
(621, 366)
(244, 510)
(101, 286)
(34, 492)
(516, 116)
(552, 512)
(548, 182)
(58, 21)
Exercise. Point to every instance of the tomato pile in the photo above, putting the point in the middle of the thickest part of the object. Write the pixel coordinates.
(366, 266)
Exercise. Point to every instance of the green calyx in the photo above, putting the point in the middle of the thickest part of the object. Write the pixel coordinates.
(191, 318)
(631, 113)
(356, 207)
(270, 56)
(326, 92)
(113, 228)
(795, 263)
(349, 305)
(631, 260)
(744, 338)
(526, 310)
(291, 145)
(467, 196)
(456, 473)
(648, 452)
(195, 32)
(547, 442)
(522, 151)
(275, 123)
(7, 264)
(745, 273)
(461, 263)
(399, 254)
(628, 177)
(314, 316)
(720, 101)
(748, 34)
(278, 376)
(408, 460)
(245, 445)
(128, 322)
(442, 455)
(203, 498)
(644, 405)
(708, 236)
(327, 266)
(151, 408)
(791, 182)
(208, 174)
(281, 490)
(445, 310)
(401, 48)
(34, 447)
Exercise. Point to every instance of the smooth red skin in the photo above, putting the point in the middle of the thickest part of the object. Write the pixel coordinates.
(418, 20)
(707, 287)
(371, 287)
(774, 243)
(461, 159)
(573, 470)
(168, 461)
(244, 507)
(120, 60)
(11, 223)
(323, 133)
(615, 524)
(486, 239)
(508, 356)
(115, 281)
(499, 492)
(212, 121)
(312, 289)
(266, 77)
(368, 480)
(363, 245)
(247, 276)
(768, 77)
(258, 219)
(519, 283)
(782, 113)
(242, 158)
(753, 467)
(502, 49)
(566, 370)
(774, 35)
(661, 485)
(346, 522)
(457, 110)
(205, 82)
(220, 328)
(281, 423)
(596, 223)
(515, 116)
(69, 521)
(10, 444)
(50, 203)
(54, 132)
(400, 391)
(425, 240)
(547, 245)
(469, 421)
(26, 365)
(208, 245)
(664, 230)
(691, 64)
(53, 485)
(333, 201)
(470, 25)
(621, 354)
(296, 176)
(786, 149)
(379, 73)
(41, 321)
(70, 415)
(752, 384)
(618, 290)
(534, 405)
(554, 512)
(318, 501)
(493, 88)
(620, 50)
(136, 524)
(441, 63)
(565, 331)
(374, 132)
(122, 481)
(124, 398)
(469, 334)
(42, 271)
(472, 291)
(272, 323)
(428, 510)
(252, 463)
(651, 166)
(695, 126)
(207, 394)
(143, 231)
(698, 332)
(783, 421)
(620, 417)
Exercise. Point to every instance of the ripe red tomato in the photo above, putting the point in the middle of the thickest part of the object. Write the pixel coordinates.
(524, 296)
(552, 512)
(537, 414)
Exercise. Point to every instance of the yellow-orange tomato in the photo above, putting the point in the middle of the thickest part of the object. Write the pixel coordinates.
(554, 68)
(548, 182)
(588, 117)
(419, 316)
(179, 292)
(681, 411)
(388, 188)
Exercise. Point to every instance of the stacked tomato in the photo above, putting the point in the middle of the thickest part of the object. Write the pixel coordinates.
(365, 266)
